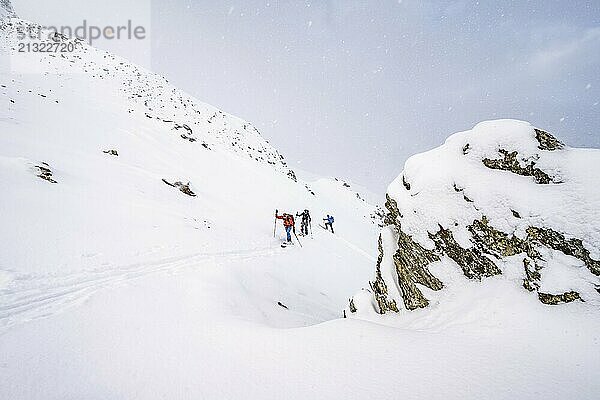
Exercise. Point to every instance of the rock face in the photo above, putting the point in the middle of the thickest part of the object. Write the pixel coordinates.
(504, 199)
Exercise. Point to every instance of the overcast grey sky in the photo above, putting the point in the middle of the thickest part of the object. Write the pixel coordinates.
(352, 88)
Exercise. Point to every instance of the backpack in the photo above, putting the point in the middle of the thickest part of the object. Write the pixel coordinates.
(289, 221)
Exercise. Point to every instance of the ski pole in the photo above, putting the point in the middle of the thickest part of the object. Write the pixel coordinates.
(275, 225)
(297, 237)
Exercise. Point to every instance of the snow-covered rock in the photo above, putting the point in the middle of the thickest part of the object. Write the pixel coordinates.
(504, 198)
(6, 10)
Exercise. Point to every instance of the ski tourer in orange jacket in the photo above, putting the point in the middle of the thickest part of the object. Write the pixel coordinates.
(288, 219)
(288, 223)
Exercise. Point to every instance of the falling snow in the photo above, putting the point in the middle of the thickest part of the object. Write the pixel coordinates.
(405, 62)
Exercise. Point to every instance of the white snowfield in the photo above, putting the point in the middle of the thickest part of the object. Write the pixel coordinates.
(117, 285)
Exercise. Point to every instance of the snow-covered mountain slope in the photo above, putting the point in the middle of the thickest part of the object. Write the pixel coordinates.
(503, 199)
(107, 170)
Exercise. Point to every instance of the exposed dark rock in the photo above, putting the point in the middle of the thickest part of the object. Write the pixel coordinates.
(474, 263)
(292, 175)
(547, 141)
(497, 243)
(554, 299)
(406, 184)
(532, 275)
(188, 132)
(461, 190)
(378, 216)
(45, 173)
(379, 287)
(168, 183)
(411, 261)
(186, 137)
(280, 304)
(183, 187)
(111, 152)
(352, 306)
(571, 247)
(510, 163)
(393, 214)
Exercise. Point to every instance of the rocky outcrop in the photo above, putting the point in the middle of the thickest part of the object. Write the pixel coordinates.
(547, 141)
(111, 152)
(183, 187)
(484, 234)
(571, 247)
(379, 287)
(45, 173)
(510, 163)
(554, 299)
(292, 175)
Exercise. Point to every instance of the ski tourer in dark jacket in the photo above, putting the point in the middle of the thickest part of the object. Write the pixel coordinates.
(305, 222)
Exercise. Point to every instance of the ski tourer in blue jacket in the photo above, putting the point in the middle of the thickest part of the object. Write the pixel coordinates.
(329, 222)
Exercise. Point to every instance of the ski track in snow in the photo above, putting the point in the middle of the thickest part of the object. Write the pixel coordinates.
(27, 299)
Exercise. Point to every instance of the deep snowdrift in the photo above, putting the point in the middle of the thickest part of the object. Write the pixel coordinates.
(504, 198)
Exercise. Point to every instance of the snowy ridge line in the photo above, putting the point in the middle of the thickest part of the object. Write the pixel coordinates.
(145, 95)
(45, 300)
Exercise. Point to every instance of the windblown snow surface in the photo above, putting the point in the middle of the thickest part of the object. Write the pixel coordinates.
(117, 285)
